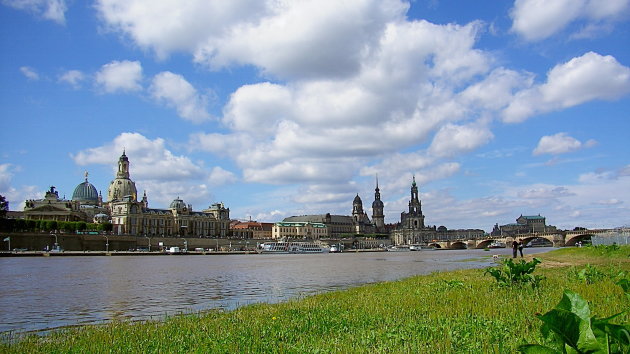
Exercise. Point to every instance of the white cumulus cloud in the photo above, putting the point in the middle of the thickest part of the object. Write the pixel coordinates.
(15, 195)
(219, 176)
(560, 143)
(48, 9)
(536, 20)
(589, 77)
(455, 139)
(157, 170)
(151, 160)
(175, 91)
(120, 76)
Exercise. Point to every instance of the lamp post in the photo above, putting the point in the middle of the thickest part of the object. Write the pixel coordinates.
(149, 240)
(106, 244)
(56, 242)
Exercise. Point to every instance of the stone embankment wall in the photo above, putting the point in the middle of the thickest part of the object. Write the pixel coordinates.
(74, 242)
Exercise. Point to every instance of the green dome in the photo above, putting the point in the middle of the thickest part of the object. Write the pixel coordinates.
(85, 192)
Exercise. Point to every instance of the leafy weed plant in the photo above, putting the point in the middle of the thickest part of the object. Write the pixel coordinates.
(570, 328)
(593, 274)
(513, 273)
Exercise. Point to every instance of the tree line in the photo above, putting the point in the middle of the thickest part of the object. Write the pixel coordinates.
(21, 225)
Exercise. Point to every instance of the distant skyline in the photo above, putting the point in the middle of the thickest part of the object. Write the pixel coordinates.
(281, 108)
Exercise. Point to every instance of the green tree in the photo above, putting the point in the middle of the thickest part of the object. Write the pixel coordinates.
(51, 225)
(7, 225)
(106, 226)
(4, 207)
(30, 225)
(20, 225)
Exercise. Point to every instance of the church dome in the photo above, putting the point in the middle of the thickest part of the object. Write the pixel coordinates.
(120, 188)
(377, 204)
(357, 200)
(85, 192)
(178, 204)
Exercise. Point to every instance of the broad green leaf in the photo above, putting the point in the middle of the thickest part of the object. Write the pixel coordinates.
(619, 332)
(572, 322)
(575, 304)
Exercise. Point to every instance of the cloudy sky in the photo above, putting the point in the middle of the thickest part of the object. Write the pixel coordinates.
(281, 108)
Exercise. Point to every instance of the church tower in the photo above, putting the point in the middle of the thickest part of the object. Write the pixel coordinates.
(377, 210)
(123, 167)
(414, 218)
(415, 208)
(122, 186)
(357, 209)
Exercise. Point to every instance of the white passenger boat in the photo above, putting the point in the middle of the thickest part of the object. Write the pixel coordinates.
(497, 244)
(399, 248)
(293, 247)
(336, 248)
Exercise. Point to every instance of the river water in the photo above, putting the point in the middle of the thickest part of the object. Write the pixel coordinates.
(42, 293)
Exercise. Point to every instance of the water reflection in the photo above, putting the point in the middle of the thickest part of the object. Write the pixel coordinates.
(41, 293)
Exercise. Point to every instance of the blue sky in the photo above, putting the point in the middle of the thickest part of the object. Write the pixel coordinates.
(281, 108)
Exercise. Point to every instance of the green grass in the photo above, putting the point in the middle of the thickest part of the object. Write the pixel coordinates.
(460, 311)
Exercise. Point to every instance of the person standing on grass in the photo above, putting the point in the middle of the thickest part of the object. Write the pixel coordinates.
(514, 248)
(520, 247)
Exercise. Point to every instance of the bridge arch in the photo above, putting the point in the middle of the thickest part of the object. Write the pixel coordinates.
(459, 245)
(574, 239)
(527, 240)
(484, 244)
(435, 245)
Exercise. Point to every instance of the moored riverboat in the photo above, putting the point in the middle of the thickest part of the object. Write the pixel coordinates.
(497, 244)
(336, 248)
(284, 247)
(399, 248)
(421, 248)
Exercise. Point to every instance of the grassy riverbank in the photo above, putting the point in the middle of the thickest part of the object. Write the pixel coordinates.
(460, 311)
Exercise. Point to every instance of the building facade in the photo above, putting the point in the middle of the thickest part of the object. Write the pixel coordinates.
(525, 224)
(358, 223)
(86, 205)
(131, 216)
(299, 230)
(251, 229)
(51, 207)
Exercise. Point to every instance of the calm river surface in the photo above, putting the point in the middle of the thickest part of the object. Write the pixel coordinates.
(40, 293)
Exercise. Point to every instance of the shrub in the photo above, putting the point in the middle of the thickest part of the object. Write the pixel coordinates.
(511, 273)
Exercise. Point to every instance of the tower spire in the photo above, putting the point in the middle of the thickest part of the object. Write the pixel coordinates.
(377, 209)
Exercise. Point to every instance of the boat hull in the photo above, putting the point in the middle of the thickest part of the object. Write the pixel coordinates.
(292, 248)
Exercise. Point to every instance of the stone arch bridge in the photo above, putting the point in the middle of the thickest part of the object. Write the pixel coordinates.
(558, 239)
